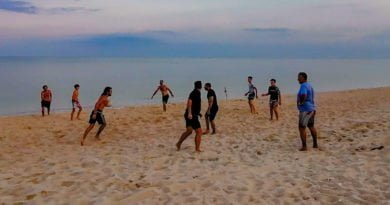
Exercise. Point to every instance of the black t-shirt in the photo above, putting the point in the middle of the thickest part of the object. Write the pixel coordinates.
(211, 93)
(196, 102)
(274, 93)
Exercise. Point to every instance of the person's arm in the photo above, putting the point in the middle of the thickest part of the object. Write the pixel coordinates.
(302, 96)
(255, 92)
(189, 105)
(279, 97)
(51, 95)
(211, 101)
(42, 98)
(155, 92)
(266, 94)
(170, 91)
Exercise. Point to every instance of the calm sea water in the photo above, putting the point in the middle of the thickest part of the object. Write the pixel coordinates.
(134, 79)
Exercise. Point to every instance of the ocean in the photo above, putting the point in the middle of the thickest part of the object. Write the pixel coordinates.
(135, 79)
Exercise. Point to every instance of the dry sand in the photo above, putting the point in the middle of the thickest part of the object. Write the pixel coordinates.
(250, 161)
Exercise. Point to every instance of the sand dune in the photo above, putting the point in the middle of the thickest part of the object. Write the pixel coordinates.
(250, 161)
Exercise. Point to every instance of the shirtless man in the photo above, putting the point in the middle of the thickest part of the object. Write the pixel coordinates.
(164, 89)
(76, 102)
(46, 97)
(191, 117)
(97, 114)
(252, 94)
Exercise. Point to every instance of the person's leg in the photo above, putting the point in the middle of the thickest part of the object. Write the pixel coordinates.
(276, 110)
(213, 127)
(207, 124)
(43, 111)
(48, 110)
(78, 114)
(101, 128)
(198, 139)
(164, 107)
(71, 115)
(271, 111)
(89, 128)
(302, 133)
(313, 133)
(183, 137)
(250, 106)
(253, 107)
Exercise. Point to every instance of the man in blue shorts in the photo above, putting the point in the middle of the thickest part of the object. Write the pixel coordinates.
(307, 110)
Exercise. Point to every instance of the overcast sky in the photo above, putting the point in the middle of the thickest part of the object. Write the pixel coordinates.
(198, 24)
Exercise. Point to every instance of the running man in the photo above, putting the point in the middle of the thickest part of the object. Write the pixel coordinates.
(212, 109)
(252, 94)
(97, 114)
(46, 97)
(307, 110)
(76, 102)
(275, 99)
(164, 89)
(191, 117)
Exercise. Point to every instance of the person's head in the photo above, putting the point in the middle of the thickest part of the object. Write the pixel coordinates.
(198, 85)
(76, 86)
(45, 87)
(107, 91)
(250, 79)
(302, 77)
(161, 82)
(207, 86)
(273, 82)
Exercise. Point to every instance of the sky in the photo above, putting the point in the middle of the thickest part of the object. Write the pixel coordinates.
(196, 28)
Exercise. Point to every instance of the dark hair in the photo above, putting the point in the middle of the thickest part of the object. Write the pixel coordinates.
(208, 85)
(303, 74)
(76, 86)
(106, 90)
(250, 77)
(198, 84)
(273, 80)
(44, 86)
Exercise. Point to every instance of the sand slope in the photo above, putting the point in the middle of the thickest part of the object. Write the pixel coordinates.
(250, 161)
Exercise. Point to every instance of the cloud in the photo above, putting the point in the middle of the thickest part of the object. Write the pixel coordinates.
(28, 8)
(18, 6)
(70, 9)
(269, 30)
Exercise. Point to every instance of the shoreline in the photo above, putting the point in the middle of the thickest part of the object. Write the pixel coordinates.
(66, 110)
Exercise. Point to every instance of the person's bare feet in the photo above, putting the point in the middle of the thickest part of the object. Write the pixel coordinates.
(178, 146)
(214, 132)
(303, 149)
(198, 151)
(206, 132)
(315, 146)
(97, 138)
(82, 142)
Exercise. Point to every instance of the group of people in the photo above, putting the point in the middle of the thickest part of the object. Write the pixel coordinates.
(192, 113)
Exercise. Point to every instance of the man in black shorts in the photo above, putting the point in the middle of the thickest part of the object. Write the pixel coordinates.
(191, 117)
(275, 99)
(212, 108)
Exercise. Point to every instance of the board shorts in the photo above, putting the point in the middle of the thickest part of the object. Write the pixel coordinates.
(165, 99)
(306, 119)
(212, 115)
(273, 103)
(76, 104)
(251, 96)
(45, 104)
(194, 122)
(99, 118)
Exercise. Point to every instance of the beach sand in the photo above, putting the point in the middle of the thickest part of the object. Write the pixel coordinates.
(250, 161)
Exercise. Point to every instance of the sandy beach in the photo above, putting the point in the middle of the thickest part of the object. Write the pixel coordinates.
(251, 160)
